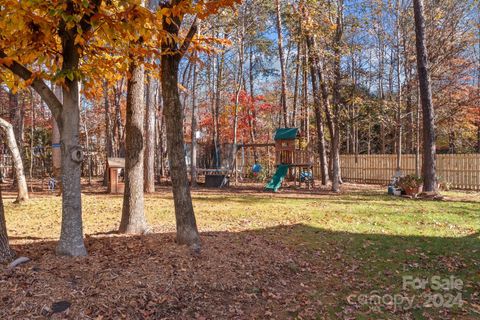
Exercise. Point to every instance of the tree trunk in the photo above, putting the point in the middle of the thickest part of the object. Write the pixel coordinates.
(133, 215)
(193, 163)
(71, 236)
(381, 93)
(429, 147)
(149, 170)
(318, 112)
(296, 90)
(305, 121)
(160, 136)
(283, 97)
(216, 110)
(399, 94)
(187, 232)
(417, 135)
(238, 89)
(252, 119)
(68, 119)
(108, 131)
(6, 254)
(87, 147)
(336, 178)
(328, 112)
(32, 132)
(410, 134)
(56, 146)
(118, 120)
(17, 116)
(17, 161)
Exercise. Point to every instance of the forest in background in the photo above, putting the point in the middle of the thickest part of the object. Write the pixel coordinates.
(241, 78)
(86, 80)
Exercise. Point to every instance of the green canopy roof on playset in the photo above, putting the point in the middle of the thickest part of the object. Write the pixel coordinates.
(286, 134)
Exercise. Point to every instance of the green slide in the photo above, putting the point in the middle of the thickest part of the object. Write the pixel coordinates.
(277, 179)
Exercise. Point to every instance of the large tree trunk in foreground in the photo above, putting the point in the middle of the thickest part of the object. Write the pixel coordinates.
(71, 236)
(6, 254)
(429, 147)
(133, 215)
(68, 119)
(17, 161)
(187, 232)
(149, 170)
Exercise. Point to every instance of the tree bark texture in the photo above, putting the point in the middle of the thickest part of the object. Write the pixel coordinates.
(193, 164)
(56, 151)
(149, 170)
(71, 236)
(17, 161)
(187, 231)
(429, 146)
(133, 215)
(318, 112)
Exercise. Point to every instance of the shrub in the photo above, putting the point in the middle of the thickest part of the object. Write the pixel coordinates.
(410, 182)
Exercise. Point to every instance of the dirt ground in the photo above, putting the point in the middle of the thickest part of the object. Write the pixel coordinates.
(251, 274)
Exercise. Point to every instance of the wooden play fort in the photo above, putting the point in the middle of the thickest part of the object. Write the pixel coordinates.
(293, 159)
(289, 156)
(290, 149)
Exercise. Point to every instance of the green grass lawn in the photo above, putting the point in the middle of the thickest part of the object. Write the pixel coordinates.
(344, 245)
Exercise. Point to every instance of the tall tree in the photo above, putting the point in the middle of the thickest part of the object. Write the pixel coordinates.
(429, 146)
(239, 85)
(187, 232)
(22, 195)
(108, 125)
(108, 130)
(283, 96)
(173, 52)
(399, 130)
(336, 178)
(67, 114)
(318, 110)
(193, 164)
(133, 215)
(150, 116)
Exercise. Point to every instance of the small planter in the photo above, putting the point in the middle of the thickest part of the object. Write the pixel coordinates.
(413, 191)
(411, 185)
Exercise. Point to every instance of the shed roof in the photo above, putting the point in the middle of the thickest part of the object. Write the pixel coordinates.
(286, 134)
(116, 162)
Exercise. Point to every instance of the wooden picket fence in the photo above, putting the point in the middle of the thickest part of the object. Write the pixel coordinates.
(461, 171)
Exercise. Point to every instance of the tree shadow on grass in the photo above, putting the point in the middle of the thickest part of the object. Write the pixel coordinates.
(279, 272)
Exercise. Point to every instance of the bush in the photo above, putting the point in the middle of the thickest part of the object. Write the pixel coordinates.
(410, 182)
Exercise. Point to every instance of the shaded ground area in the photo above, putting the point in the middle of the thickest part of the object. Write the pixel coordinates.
(264, 256)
